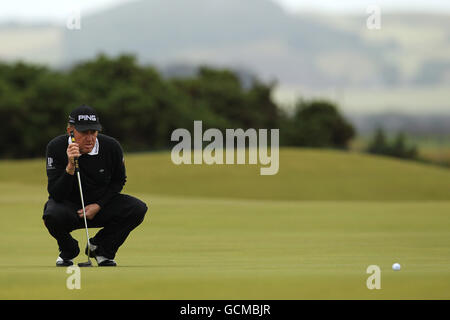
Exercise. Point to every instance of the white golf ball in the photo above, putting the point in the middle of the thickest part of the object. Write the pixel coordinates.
(396, 266)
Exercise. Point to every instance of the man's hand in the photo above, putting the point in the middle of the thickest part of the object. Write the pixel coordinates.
(73, 151)
(91, 211)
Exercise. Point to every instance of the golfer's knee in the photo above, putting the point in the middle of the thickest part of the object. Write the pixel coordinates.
(51, 220)
(140, 209)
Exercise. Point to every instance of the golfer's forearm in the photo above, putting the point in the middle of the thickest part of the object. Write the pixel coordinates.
(70, 169)
(60, 187)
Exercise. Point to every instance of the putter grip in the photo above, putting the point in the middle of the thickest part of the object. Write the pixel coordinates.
(77, 168)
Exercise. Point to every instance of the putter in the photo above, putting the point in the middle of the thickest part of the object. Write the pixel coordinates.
(77, 171)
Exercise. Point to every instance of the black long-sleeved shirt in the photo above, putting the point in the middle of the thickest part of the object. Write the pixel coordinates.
(102, 171)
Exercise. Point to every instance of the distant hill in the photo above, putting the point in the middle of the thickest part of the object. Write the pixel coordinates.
(255, 34)
(313, 50)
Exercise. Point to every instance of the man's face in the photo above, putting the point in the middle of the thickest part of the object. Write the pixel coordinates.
(85, 139)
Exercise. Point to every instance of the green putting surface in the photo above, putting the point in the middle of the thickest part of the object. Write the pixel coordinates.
(232, 234)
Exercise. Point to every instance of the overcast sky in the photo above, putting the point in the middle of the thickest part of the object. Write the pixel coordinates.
(356, 6)
(57, 10)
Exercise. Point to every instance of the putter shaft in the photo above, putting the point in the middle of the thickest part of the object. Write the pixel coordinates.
(84, 213)
(77, 170)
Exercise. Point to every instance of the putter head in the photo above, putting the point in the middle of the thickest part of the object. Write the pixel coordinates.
(85, 264)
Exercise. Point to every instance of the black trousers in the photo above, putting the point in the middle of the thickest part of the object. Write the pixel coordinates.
(118, 218)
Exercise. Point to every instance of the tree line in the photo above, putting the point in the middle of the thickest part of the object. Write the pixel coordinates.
(140, 107)
(397, 148)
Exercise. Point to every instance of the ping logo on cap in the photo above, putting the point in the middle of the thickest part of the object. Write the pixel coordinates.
(87, 117)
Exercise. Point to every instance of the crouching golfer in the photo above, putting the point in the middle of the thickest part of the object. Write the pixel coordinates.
(102, 172)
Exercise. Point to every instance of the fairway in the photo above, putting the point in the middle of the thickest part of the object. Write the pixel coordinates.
(225, 232)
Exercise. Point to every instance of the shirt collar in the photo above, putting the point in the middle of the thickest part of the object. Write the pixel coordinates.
(94, 151)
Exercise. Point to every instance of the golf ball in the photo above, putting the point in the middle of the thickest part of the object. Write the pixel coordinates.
(396, 266)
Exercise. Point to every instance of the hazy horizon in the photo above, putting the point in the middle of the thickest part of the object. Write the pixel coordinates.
(410, 71)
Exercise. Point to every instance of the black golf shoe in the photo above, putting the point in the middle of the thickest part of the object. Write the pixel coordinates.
(105, 262)
(72, 252)
(101, 261)
(60, 262)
